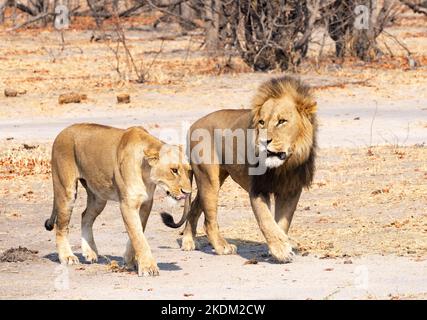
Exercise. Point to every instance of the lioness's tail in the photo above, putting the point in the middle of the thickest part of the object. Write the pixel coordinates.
(167, 217)
(49, 223)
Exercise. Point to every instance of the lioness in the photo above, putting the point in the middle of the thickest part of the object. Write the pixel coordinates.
(119, 165)
(286, 111)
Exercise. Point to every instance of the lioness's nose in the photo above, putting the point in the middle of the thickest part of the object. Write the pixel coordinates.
(185, 192)
(268, 141)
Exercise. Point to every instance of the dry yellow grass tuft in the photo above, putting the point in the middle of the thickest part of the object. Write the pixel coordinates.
(24, 160)
(359, 204)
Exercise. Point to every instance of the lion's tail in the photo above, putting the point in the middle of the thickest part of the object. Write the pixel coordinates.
(167, 217)
(49, 223)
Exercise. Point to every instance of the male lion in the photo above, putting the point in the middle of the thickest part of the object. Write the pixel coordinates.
(119, 165)
(286, 111)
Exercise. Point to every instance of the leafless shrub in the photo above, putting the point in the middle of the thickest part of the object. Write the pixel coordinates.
(276, 34)
(121, 51)
(267, 34)
(416, 6)
(355, 25)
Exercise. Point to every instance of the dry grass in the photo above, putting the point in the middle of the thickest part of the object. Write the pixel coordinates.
(344, 215)
(24, 160)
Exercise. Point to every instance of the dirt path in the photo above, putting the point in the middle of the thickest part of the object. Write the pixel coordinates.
(346, 119)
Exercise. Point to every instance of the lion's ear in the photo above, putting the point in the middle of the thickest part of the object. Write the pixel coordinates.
(152, 157)
(307, 106)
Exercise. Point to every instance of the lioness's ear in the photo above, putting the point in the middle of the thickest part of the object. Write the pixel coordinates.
(152, 157)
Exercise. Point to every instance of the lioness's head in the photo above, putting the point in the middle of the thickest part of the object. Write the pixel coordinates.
(170, 170)
(283, 114)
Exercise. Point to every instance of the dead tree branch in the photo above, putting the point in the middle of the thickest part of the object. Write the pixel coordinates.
(32, 20)
(415, 7)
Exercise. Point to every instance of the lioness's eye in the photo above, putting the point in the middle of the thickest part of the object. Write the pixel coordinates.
(261, 122)
(174, 170)
(282, 121)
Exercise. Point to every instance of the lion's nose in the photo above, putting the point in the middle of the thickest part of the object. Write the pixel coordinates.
(268, 141)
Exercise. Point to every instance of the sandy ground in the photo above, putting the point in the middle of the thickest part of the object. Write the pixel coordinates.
(361, 228)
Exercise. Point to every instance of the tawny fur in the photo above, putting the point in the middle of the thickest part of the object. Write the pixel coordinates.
(113, 164)
(275, 100)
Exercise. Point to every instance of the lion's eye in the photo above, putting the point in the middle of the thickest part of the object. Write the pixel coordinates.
(261, 122)
(174, 170)
(282, 121)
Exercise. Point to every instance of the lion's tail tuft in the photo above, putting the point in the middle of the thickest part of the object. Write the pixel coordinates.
(48, 224)
(168, 220)
(167, 217)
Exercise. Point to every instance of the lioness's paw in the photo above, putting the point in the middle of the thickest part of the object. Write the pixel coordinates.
(294, 245)
(148, 269)
(226, 249)
(69, 260)
(282, 251)
(90, 256)
(188, 244)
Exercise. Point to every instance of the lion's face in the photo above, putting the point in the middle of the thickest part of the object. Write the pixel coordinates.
(279, 125)
(170, 170)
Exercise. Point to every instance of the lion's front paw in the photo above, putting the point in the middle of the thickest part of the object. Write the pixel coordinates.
(90, 255)
(226, 248)
(89, 252)
(147, 268)
(69, 259)
(282, 251)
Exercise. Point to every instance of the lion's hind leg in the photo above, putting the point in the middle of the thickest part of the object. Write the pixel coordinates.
(189, 239)
(94, 207)
(208, 185)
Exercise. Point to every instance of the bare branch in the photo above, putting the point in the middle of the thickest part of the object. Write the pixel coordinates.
(415, 7)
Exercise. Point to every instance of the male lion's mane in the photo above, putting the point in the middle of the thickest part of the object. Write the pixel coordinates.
(298, 171)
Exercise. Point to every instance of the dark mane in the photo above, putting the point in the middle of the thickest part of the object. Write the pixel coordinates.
(284, 180)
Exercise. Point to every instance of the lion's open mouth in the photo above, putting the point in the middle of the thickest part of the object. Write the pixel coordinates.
(280, 155)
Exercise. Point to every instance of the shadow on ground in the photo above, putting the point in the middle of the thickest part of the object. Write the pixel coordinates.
(249, 250)
(106, 260)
